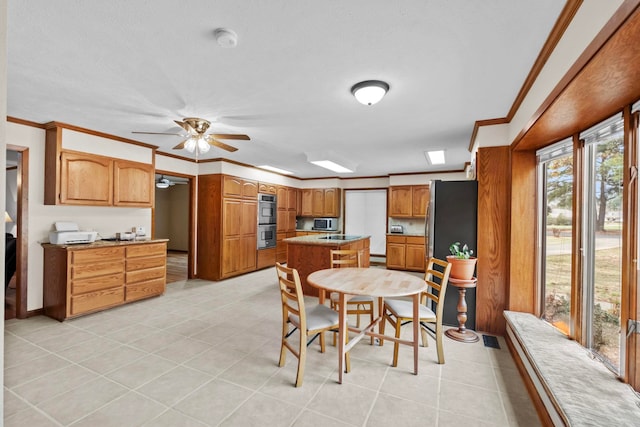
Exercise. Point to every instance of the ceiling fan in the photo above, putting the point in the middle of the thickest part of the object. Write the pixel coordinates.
(196, 140)
(163, 182)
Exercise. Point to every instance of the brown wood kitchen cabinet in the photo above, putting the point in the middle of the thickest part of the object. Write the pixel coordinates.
(405, 253)
(409, 201)
(227, 226)
(320, 202)
(76, 178)
(82, 279)
(286, 200)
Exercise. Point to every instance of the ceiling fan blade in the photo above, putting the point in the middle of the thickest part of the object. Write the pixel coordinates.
(230, 136)
(181, 145)
(157, 133)
(183, 125)
(222, 145)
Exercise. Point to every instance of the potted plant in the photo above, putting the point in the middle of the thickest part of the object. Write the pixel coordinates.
(462, 263)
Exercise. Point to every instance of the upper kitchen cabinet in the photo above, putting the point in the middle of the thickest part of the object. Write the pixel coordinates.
(408, 201)
(266, 188)
(132, 183)
(306, 202)
(79, 178)
(84, 179)
(237, 187)
(331, 202)
(320, 202)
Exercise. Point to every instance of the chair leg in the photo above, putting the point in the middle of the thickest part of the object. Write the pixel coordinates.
(302, 359)
(322, 347)
(423, 332)
(283, 350)
(347, 356)
(439, 344)
(381, 328)
(373, 340)
(396, 345)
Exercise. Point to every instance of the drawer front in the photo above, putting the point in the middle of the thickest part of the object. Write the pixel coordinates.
(147, 250)
(145, 289)
(146, 274)
(396, 239)
(81, 271)
(91, 284)
(96, 300)
(415, 240)
(97, 255)
(146, 262)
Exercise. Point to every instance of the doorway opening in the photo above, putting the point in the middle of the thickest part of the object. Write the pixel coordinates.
(173, 219)
(16, 219)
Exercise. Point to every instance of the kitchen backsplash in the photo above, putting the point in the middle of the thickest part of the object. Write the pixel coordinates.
(410, 225)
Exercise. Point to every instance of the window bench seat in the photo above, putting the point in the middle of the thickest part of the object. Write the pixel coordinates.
(575, 389)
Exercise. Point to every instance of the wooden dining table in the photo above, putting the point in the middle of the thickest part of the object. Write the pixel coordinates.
(375, 282)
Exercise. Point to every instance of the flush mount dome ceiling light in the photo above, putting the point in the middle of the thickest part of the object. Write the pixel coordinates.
(370, 92)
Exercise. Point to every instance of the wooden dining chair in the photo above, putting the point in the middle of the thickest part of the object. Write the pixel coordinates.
(400, 312)
(310, 322)
(359, 304)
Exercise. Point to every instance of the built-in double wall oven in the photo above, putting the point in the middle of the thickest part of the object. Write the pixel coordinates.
(267, 212)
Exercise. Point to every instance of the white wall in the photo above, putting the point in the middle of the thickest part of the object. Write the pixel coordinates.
(172, 216)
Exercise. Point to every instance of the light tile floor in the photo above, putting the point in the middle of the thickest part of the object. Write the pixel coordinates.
(206, 354)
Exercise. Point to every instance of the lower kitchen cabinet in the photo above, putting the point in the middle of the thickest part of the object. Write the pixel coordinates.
(82, 279)
(406, 253)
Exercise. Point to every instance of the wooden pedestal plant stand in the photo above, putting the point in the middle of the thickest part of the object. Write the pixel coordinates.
(463, 265)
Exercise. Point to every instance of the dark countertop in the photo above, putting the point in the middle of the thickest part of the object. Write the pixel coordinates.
(321, 240)
(105, 243)
(405, 234)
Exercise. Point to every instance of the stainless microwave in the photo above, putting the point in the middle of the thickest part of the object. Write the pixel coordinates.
(325, 224)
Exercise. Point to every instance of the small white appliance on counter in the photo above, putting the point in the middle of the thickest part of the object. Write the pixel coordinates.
(68, 233)
(396, 228)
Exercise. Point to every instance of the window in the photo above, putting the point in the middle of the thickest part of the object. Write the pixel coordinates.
(555, 173)
(602, 239)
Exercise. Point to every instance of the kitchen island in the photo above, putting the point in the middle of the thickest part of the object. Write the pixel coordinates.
(89, 277)
(312, 253)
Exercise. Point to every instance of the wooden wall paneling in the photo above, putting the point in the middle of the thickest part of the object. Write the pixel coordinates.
(53, 145)
(630, 242)
(493, 238)
(522, 294)
(209, 222)
(604, 79)
(576, 328)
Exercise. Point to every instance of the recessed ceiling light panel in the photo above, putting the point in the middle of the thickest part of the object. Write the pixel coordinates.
(435, 157)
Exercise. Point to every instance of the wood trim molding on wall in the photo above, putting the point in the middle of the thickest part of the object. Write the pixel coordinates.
(604, 79)
(51, 125)
(561, 25)
(25, 122)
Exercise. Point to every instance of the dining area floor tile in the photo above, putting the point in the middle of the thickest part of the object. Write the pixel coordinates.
(206, 354)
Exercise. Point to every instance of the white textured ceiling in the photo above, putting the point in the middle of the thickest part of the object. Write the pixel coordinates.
(121, 66)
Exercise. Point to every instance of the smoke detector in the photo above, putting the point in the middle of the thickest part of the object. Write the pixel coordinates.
(225, 37)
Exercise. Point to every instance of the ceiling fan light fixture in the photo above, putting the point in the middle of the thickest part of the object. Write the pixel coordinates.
(190, 145)
(370, 92)
(203, 145)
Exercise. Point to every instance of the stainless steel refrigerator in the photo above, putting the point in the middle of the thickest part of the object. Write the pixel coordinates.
(452, 216)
